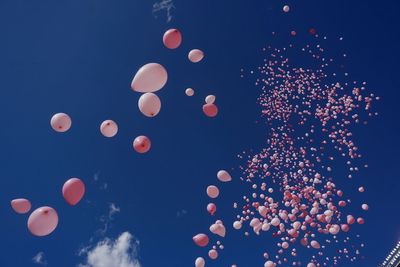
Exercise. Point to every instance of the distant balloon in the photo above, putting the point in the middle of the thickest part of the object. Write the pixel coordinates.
(43, 221)
(150, 78)
(200, 262)
(21, 205)
(224, 176)
(189, 92)
(311, 265)
(213, 254)
(196, 55)
(211, 208)
(172, 38)
(218, 229)
(201, 240)
(211, 110)
(142, 144)
(210, 99)
(237, 225)
(212, 191)
(315, 244)
(73, 191)
(286, 8)
(60, 122)
(109, 128)
(269, 264)
(149, 104)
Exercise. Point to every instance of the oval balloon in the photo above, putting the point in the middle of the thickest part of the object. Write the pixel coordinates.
(60, 122)
(200, 262)
(142, 144)
(211, 208)
(201, 240)
(21, 205)
(210, 99)
(172, 38)
(43, 221)
(73, 191)
(189, 92)
(211, 110)
(150, 78)
(212, 191)
(196, 55)
(109, 128)
(224, 176)
(149, 104)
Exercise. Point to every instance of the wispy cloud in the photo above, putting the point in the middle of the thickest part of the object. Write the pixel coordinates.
(181, 213)
(121, 252)
(107, 219)
(166, 6)
(39, 259)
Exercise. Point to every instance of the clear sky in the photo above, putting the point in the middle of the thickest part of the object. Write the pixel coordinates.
(79, 56)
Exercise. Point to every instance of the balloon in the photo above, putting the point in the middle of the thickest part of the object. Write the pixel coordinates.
(21, 205)
(315, 244)
(311, 265)
(142, 144)
(60, 122)
(211, 110)
(210, 99)
(211, 208)
(108, 128)
(286, 9)
(200, 262)
(150, 78)
(237, 225)
(43, 221)
(201, 240)
(213, 254)
(212, 191)
(73, 191)
(269, 264)
(365, 206)
(189, 92)
(172, 38)
(149, 104)
(224, 176)
(196, 55)
(218, 229)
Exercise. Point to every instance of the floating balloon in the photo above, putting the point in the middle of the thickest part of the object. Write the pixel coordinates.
(224, 176)
(200, 262)
(109, 128)
(150, 78)
(212, 191)
(43, 221)
(213, 254)
(286, 8)
(218, 229)
(269, 264)
(149, 104)
(189, 92)
(201, 240)
(315, 244)
(172, 38)
(60, 122)
(210, 99)
(142, 144)
(311, 265)
(211, 110)
(73, 191)
(196, 55)
(21, 205)
(365, 206)
(237, 225)
(211, 208)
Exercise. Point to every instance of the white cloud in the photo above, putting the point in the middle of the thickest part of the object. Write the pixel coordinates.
(121, 252)
(164, 5)
(39, 259)
(107, 219)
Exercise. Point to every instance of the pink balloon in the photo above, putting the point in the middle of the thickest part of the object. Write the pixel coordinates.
(201, 240)
(109, 128)
(211, 208)
(43, 221)
(60, 122)
(224, 176)
(269, 264)
(213, 254)
(21, 205)
(315, 244)
(172, 38)
(189, 92)
(200, 262)
(211, 110)
(73, 191)
(196, 55)
(212, 191)
(149, 104)
(142, 144)
(150, 78)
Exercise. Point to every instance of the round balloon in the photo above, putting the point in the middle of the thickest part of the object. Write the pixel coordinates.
(200, 262)
(172, 38)
(21, 205)
(211, 208)
(212, 191)
(43, 221)
(211, 110)
(210, 99)
(142, 144)
(150, 78)
(60, 122)
(189, 92)
(196, 55)
(73, 191)
(149, 104)
(109, 128)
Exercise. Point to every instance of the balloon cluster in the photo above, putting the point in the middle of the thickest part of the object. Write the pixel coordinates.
(310, 108)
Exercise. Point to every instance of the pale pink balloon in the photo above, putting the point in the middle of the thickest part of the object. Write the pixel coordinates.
(109, 128)
(311, 265)
(189, 92)
(211, 110)
(196, 55)
(218, 229)
(212, 191)
(213, 254)
(142, 144)
(350, 219)
(43, 221)
(60, 122)
(269, 264)
(200, 262)
(210, 99)
(315, 244)
(224, 176)
(21, 205)
(211, 208)
(201, 240)
(73, 191)
(172, 38)
(150, 78)
(365, 206)
(286, 8)
(149, 104)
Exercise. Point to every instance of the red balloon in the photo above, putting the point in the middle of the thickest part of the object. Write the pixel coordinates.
(211, 110)
(73, 191)
(201, 240)
(211, 208)
(172, 38)
(21, 205)
(142, 144)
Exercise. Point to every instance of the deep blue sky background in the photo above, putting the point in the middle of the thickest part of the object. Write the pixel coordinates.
(79, 56)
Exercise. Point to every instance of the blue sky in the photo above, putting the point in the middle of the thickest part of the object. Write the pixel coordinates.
(79, 57)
